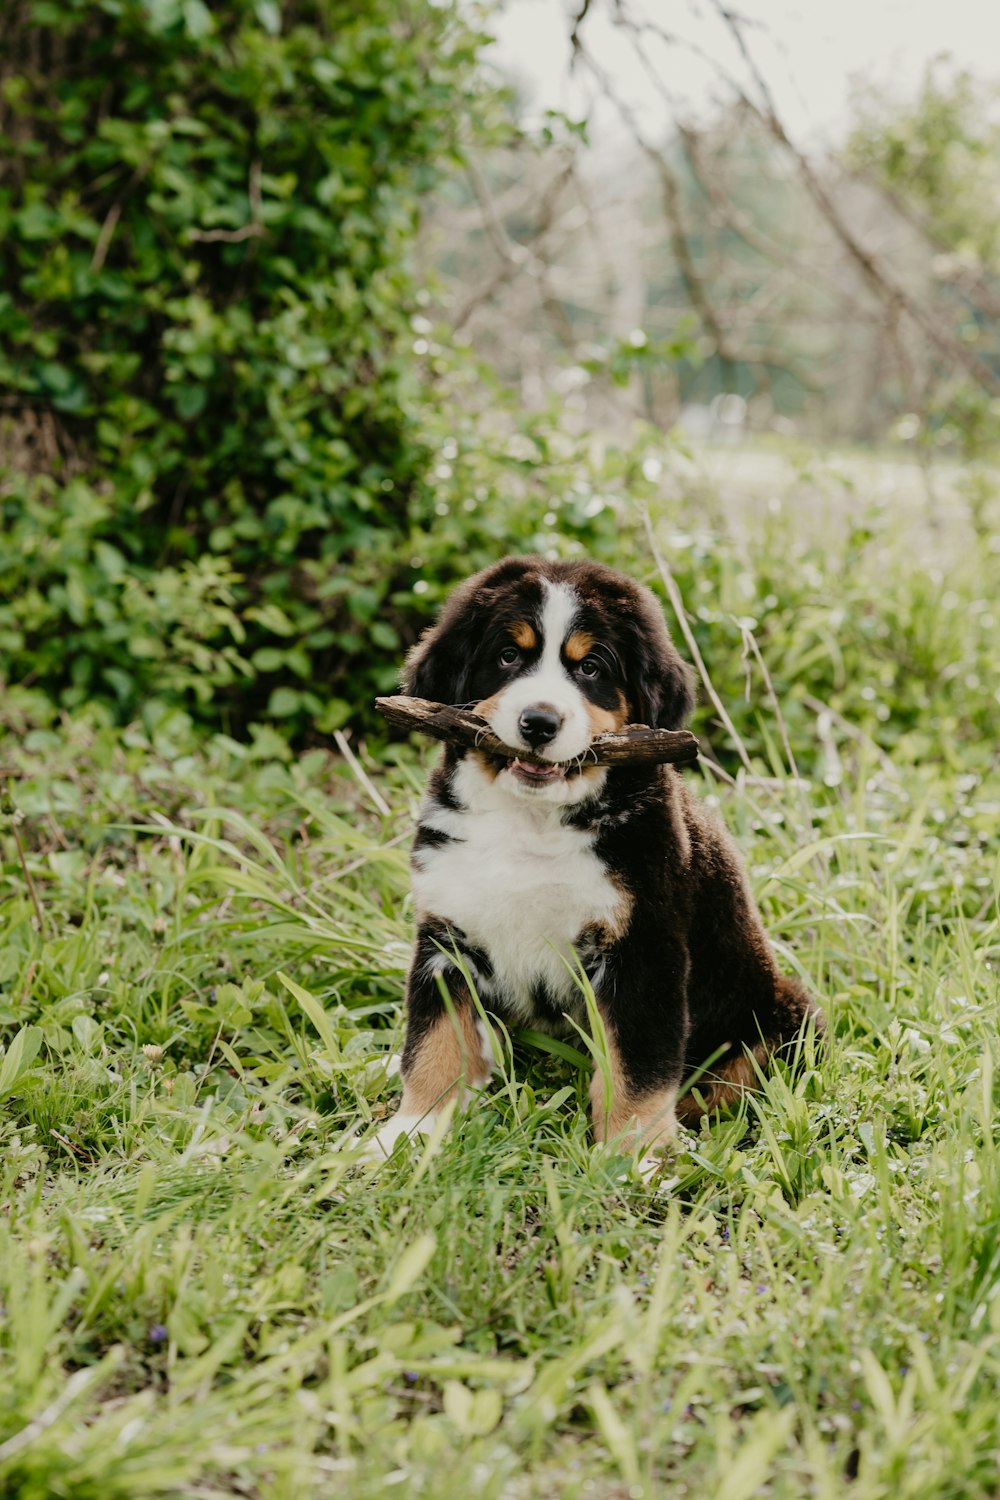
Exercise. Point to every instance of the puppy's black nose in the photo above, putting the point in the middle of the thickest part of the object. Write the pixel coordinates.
(539, 724)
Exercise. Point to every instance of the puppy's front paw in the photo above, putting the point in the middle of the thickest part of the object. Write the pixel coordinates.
(380, 1147)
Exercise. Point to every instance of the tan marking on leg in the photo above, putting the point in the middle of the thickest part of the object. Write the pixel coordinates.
(649, 1116)
(524, 635)
(723, 1085)
(449, 1055)
(578, 645)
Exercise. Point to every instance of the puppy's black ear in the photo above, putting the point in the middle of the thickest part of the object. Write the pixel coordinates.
(440, 665)
(661, 685)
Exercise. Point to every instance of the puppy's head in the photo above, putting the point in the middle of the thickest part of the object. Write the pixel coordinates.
(552, 654)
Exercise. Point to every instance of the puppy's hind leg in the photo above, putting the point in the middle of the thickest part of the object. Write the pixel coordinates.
(645, 1064)
(725, 1082)
(793, 1008)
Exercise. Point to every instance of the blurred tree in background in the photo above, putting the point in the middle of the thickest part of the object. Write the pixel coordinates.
(936, 165)
(837, 293)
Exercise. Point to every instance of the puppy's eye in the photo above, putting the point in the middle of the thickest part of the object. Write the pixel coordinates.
(508, 656)
(589, 667)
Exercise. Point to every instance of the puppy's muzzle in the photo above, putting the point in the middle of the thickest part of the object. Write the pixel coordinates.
(539, 724)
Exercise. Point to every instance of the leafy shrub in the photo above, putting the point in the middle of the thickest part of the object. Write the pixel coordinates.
(211, 437)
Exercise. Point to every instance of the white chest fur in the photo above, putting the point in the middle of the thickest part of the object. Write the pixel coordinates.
(519, 885)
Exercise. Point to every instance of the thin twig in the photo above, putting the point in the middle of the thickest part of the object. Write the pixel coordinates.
(361, 774)
(227, 236)
(750, 644)
(677, 603)
(9, 808)
(717, 770)
(253, 230)
(104, 238)
(362, 860)
(802, 786)
(578, 20)
(113, 215)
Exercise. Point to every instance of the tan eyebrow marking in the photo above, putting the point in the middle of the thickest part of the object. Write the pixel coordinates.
(578, 644)
(524, 635)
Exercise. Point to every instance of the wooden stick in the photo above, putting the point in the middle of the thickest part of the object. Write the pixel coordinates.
(636, 744)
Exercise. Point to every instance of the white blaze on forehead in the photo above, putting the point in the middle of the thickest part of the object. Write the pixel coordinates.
(558, 613)
(548, 682)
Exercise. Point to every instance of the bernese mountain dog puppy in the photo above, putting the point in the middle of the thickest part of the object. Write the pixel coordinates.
(527, 876)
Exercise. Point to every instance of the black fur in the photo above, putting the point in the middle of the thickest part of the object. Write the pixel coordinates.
(689, 974)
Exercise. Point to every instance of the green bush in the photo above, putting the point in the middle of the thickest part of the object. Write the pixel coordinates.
(212, 444)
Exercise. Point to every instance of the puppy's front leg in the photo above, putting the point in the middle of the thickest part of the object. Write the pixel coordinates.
(645, 1020)
(446, 1049)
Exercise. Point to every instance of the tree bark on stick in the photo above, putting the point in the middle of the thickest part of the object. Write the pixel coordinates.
(636, 744)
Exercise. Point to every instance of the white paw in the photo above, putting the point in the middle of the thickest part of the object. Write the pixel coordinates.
(649, 1165)
(380, 1146)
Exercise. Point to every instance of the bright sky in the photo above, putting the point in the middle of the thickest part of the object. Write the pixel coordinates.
(809, 50)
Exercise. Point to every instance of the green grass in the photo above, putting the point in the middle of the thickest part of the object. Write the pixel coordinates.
(202, 1291)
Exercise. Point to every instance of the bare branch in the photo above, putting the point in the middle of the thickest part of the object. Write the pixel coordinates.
(872, 267)
(254, 230)
(515, 257)
(969, 279)
(104, 238)
(227, 236)
(670, 193)
(750, 233)
(578, 20)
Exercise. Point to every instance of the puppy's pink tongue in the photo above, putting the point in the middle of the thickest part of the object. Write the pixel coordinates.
(530, 772)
